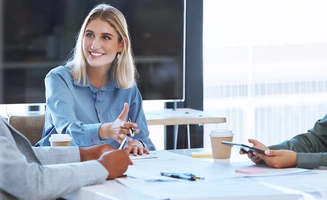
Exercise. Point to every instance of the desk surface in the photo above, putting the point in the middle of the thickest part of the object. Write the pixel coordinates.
(181, 116)
(221, 181)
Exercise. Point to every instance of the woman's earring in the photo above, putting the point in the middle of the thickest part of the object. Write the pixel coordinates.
(118, 56)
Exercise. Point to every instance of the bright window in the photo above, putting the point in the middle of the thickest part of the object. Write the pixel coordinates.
(265, 66)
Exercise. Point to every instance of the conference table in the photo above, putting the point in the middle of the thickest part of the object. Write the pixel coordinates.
(237, 178)
(182, 116)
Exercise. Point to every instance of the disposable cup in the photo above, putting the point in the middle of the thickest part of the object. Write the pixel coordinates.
(221, 152)
(60, 140)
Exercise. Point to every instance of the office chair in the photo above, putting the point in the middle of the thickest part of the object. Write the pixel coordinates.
(29, 125)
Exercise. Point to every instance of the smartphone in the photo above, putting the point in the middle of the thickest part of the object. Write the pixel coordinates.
(243, 147)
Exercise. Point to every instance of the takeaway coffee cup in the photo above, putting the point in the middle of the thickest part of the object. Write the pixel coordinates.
(221, 152)
(60, 140)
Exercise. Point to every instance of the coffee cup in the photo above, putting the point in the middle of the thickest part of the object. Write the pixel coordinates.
(60, 140)
(221, 152)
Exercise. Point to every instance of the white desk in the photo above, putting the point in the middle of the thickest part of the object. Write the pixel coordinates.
(221, 182)
(181, 116)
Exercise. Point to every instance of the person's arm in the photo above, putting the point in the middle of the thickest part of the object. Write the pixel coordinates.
(289, 158)
(314, 141)
(59, 155)
(310, 146)
(64, 105)
(311, 160)
(136, 114)
(33, 181)
(56, 155)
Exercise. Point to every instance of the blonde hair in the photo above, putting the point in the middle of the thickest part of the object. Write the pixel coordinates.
(124, 70)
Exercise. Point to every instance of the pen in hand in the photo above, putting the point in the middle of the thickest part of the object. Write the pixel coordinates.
(124, 143)
(131, 133)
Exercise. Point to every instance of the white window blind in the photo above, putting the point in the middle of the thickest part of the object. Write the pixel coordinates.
(265, 66)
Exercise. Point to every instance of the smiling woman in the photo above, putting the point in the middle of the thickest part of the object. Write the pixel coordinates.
(104, 32)
(101, 45)
(91, 97)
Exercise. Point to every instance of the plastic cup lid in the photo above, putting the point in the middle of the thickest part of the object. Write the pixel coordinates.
(221, 133)
(60, 137)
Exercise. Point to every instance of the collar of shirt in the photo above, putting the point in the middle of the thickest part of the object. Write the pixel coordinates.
(111, 84)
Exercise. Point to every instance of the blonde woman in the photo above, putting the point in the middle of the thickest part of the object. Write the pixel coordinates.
(93, 95)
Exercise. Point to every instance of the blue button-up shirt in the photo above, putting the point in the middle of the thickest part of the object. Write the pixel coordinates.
(79, 110)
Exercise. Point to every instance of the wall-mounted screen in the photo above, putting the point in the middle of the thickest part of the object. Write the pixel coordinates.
(40, 34)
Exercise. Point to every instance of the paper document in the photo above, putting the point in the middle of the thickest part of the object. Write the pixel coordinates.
(231, 189)
(257, 170)
(312, 184)
(220, 180)
(152, 155)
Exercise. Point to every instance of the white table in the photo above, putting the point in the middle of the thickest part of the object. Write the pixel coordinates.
(181, 116)
(221, 182)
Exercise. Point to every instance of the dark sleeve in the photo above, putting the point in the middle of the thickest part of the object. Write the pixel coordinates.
(310, 146)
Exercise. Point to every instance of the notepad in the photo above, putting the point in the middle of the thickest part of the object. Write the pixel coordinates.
(152, 155)
(201, 155)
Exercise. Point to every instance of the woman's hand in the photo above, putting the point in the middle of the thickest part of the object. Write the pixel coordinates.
(119, 128)
(136, 147)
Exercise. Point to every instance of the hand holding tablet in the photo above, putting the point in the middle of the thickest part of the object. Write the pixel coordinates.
(243, 147)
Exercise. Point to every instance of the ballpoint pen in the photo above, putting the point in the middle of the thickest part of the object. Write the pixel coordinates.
(186, 176)
(179, 176)
(124, 143)
(192, 175)
(131, 133)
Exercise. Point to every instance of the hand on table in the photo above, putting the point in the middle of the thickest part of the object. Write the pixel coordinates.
(137, 147)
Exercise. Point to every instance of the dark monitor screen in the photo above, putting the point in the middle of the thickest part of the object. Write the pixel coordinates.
(40, 34)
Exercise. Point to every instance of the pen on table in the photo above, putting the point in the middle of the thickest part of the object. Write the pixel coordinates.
(179, 176)
(192, 175)
(131, 133)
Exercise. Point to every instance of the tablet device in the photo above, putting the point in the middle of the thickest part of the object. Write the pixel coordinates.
(243, 147)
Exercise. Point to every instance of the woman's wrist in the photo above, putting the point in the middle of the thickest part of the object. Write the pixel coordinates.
(101, 137)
